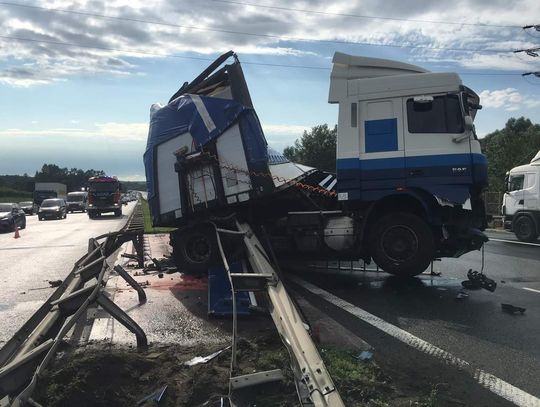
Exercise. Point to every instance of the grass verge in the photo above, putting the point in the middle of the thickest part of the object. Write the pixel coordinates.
(148, 227)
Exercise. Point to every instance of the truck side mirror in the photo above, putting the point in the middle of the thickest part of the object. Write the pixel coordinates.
(506, 179)
(469, 124)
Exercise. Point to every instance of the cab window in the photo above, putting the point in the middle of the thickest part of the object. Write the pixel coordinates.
(443, 115)
(516, 182)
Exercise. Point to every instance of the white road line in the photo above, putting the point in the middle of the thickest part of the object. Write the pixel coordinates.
(514, 241)
(531, 289)
(492, 383)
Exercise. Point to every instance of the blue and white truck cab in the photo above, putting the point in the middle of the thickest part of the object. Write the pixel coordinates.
(408, 184)
(521, 201)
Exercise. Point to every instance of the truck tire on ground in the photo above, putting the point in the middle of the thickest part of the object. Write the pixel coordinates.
(525, 229)
(402, 244)
(195, 249)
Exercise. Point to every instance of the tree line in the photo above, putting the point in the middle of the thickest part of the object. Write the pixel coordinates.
(515, 144)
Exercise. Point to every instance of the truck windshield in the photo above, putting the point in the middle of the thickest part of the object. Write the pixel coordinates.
(104, 186)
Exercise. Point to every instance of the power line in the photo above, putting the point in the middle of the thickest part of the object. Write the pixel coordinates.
(532, 52)
(272, 36)
(364, 16)
(123, 50)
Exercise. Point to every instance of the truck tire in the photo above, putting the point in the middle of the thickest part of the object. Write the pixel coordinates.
(525, 229)
(118, 213)
(195, 249)
(402, 244)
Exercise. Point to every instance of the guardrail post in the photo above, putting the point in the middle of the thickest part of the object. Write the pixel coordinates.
(131, 281)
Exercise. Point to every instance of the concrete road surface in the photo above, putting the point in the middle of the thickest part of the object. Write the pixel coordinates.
(45, 251)
(482, 346)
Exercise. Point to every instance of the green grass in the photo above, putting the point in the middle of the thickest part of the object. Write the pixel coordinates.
(148, 228)
(17, 198)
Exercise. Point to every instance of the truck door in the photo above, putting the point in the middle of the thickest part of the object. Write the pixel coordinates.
(437, 152)
(514, 196)
(531, 192)
(381, 147)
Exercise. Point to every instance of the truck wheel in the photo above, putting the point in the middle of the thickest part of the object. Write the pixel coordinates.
(402, 244)
(525, 229)
(195, 249)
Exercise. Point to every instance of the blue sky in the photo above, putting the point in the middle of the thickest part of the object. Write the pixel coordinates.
(77, 84)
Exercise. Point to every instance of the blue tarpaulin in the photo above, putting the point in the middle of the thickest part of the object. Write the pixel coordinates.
(205, 118)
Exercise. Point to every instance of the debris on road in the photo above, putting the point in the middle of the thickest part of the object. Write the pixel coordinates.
(204, 359)
(461, 295)
(477, 280)
(512, 309)
(365, 355)
(154, 397)
(55, 283)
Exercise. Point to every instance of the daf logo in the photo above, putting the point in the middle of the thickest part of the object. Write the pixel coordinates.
(459, 170)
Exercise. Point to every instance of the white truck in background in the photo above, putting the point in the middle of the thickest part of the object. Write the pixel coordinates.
(521, 201)
(46, 190)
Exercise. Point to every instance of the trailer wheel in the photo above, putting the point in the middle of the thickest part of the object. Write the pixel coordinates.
(525, 229)
(195, 249)
(402, 244)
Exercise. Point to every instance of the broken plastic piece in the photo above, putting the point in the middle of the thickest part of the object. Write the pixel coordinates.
(364, 355)
(155, 396)
(478, 280)
(55, 283)
(200, 359)
(512, 309)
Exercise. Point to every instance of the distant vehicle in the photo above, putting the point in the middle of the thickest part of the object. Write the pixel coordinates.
(46, 190)
(53, 208)
(521, 201)
(11, 216)
(103, 196)
(29, 207)
(125, 199)
(76, 201)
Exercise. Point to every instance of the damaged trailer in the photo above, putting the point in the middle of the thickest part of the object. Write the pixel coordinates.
(409, 179)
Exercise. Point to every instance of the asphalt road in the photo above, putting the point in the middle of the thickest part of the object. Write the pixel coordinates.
(45, 251)
(473, 329)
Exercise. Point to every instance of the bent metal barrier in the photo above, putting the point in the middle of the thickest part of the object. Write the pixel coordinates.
(27, 354)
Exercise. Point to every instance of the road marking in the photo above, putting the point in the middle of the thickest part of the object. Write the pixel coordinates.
(531, 289)
(492, 383)
(514, 241)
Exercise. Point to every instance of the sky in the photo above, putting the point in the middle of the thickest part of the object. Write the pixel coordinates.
(77, 78)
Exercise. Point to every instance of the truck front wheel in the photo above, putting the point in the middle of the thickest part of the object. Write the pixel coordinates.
(195, 249)
(525, 229)
(402, 244)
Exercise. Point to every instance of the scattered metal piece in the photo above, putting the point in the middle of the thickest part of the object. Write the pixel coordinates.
(55, 283)
(255, 379)
(204, 359)
(155, 396)
(461, 295)
(477, 280)
(364, 355)
(512, 309)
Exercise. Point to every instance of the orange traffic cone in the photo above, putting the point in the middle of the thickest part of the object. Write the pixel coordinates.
(17, 235)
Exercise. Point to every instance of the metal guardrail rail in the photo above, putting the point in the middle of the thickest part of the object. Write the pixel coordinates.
(29, 351)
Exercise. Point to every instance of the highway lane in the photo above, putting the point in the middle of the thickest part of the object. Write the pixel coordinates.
(45, 251)
(473, 329)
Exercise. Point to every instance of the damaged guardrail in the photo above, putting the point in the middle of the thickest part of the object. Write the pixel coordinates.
(313, 382)
(24, 357)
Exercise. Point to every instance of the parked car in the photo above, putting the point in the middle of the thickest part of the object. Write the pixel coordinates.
(77, 201)
(53, 208)
(11, 216)
(29, 207)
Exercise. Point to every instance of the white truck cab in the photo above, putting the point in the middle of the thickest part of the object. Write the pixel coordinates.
(521, 201)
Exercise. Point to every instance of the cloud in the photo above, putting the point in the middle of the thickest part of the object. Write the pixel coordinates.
(508, 99)
(280, 136)
(109, 131)
(115, 47)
